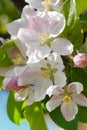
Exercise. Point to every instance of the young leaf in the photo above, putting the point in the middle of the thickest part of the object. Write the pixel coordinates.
(4, 59)
(1, 79)
(81, 5)
(14, 109)
(73, 26)
(34, 116)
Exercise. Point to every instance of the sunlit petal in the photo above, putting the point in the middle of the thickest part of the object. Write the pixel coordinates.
(69, 110)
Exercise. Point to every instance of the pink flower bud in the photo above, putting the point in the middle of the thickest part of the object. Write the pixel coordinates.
(80, 60)
(12, 85)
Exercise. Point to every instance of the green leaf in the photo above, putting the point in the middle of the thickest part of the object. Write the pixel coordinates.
(1, 79)
(73, 26)
(7, 15)
(82, 114)
(80, 75)
(4, 59)
(60, 121)
(83, 19)
(14, 109)
(34, 116)
(84, 47)
(81, 5)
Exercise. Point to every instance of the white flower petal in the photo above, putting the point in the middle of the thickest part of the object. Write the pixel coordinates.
(14, 27)
(3, 71)
(60, 79)
(54, 90)
(53, 103)
(30, 76)
(41, 87)
(39, 54)
(22, 94)
(30, 99)
(34, 4)
(27, 12)
(22, 47)
(75, 87)
(69, 110)
(80, 99)
(56, 61)
(58, 24)
(28, 36)
(62, 46)
(16, 71)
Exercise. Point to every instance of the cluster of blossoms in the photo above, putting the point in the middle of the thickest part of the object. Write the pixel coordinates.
(41, 73)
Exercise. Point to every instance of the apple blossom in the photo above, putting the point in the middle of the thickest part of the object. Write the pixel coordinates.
(80, 60)
(67, 99)
(41, 74)
(37, 32)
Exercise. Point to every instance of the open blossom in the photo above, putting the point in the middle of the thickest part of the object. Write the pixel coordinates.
(80, 60)
(42, 75)
(67, 98)
(37, 30)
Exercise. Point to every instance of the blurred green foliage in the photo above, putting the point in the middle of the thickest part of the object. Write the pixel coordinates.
(8, 13)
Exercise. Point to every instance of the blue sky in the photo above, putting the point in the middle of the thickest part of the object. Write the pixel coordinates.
(6, 124)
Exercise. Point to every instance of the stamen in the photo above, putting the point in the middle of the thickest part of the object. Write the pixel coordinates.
(47, 4)
(66, 99)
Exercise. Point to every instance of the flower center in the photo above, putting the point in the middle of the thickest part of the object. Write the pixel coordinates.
(45, 40)
(47, 4)
(66, 99)
(48, 72)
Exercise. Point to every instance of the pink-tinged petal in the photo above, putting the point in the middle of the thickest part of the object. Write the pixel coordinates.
(75, 87)
(12, 85)
(69, 110)
(80, 60)
(60, 78)
(62, 46)
(54, 90)
(53, 103)
(80, 99)
(41, 87)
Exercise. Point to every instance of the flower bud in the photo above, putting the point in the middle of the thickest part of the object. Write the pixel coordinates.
(80, 60)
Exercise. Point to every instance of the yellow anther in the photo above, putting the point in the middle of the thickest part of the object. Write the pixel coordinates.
(47, 4)
(44, 37)
(45, 40)
(46, 73)
(66, 99)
